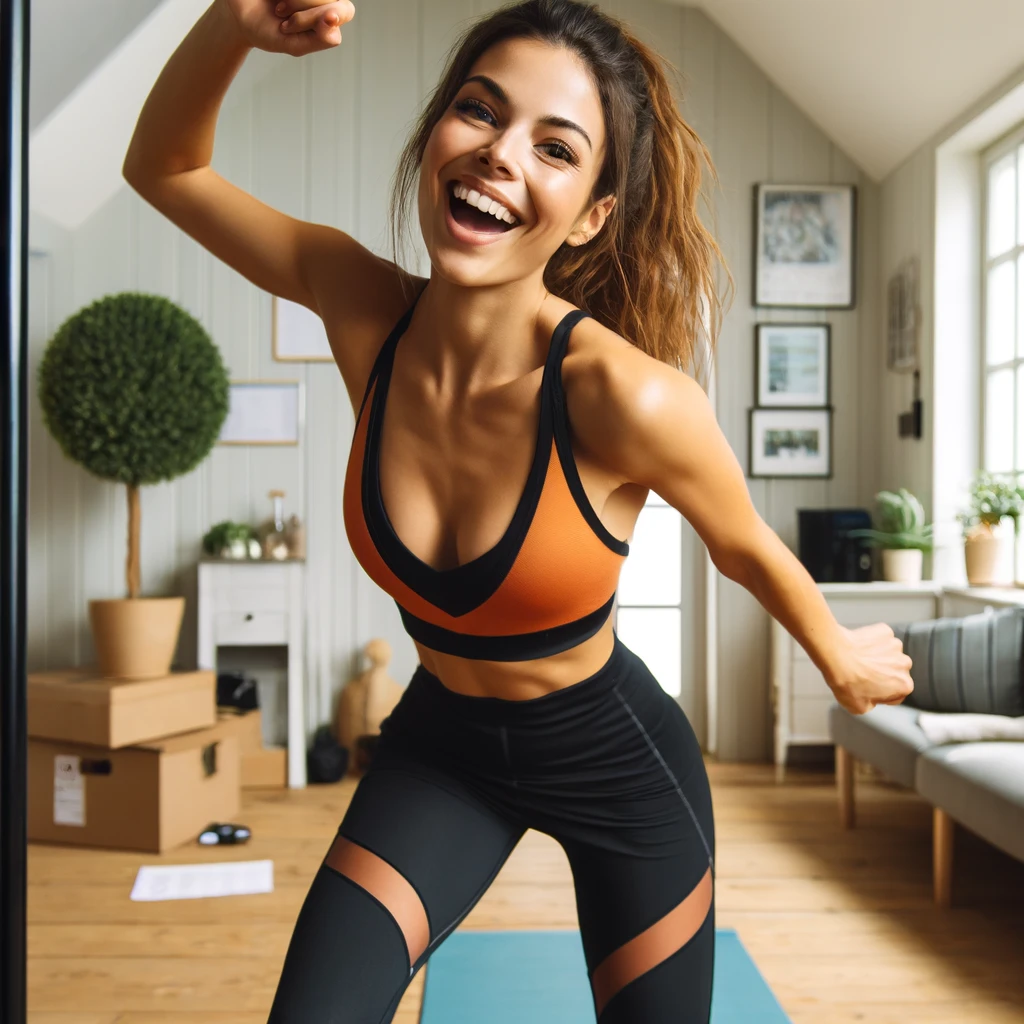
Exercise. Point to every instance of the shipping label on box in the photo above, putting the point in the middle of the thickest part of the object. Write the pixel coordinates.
(68, 790)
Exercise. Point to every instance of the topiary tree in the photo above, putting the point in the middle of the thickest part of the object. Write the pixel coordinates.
(134, 389)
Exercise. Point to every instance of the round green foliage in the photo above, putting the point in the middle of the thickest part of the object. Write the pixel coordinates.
(134, 389)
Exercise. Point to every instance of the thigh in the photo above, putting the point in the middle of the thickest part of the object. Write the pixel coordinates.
(415, 851)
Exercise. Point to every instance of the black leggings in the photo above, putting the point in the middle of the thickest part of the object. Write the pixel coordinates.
(608, 766)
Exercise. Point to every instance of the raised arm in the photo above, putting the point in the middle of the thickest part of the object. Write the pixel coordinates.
(168, 163)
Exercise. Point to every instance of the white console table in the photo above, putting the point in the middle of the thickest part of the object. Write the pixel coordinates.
(800, 696)
(257, 604)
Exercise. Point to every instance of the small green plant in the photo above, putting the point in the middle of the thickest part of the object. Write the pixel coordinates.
(902, 520)
(991, 498)
(237, 537)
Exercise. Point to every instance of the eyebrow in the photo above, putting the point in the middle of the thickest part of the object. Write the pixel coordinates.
(553, 119)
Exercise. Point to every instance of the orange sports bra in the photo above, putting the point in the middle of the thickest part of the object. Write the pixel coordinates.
(546, 586)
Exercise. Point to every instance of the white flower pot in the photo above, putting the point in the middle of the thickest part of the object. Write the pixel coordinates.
(902, 565)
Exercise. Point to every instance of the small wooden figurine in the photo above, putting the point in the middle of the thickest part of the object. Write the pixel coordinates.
(366, 701)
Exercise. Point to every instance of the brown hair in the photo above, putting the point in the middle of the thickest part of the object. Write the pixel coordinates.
(649, 273)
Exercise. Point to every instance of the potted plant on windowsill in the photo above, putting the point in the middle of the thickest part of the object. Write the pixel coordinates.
(134, 389)
(991, 500)
(903, 538)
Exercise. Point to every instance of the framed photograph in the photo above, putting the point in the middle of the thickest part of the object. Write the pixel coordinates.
(792, 364)
(264, 412)
(298, 334)
(902, 318)
(790, 443)
(804, 250)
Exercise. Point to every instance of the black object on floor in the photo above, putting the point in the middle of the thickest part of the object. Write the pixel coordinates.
(217, 834)
(327, 759)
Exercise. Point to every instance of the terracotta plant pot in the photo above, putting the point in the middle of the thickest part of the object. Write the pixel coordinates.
(136, 638)
(902, 565)
(984, 551)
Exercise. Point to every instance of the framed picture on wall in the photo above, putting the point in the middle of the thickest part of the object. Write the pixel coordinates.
(297, 333)
(790, 443)
(792, 364)
(263, 412)
(804, 248)
(902, 318)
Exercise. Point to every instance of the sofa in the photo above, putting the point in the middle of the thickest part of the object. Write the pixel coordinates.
(964, 668)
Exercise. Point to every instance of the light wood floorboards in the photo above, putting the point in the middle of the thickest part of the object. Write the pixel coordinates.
(841, 924)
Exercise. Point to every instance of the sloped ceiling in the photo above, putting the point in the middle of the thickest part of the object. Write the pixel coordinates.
(878, 76)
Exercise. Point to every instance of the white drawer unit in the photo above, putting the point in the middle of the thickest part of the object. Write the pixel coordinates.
(800, 696)
(259, 604)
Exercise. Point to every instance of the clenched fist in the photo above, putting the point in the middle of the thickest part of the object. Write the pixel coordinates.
(870, 668)
(295, 27)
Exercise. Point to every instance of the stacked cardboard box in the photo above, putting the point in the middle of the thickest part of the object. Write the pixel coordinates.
(261, 767)
(137, 765)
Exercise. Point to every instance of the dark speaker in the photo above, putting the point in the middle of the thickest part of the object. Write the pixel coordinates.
(825, 550)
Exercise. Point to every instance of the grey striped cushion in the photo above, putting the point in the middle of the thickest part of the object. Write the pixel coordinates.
(972, 663)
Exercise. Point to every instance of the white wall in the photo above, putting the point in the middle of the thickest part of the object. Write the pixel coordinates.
(931, 209)
(318, 138)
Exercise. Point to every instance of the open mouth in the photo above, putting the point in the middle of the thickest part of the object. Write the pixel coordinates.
(473, 219)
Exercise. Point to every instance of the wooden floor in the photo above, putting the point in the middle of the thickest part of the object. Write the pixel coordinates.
(841, 924)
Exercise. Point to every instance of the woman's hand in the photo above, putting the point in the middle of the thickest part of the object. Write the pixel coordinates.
(295, 27)
(870, 669)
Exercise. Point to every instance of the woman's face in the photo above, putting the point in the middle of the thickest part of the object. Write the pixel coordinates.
(498, 133)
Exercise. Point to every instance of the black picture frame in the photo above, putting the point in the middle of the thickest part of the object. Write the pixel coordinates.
(806, 284)
(762, 331)
(797, 413)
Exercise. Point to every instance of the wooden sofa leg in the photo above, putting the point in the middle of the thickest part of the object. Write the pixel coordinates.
(942, 857)
(844, 783)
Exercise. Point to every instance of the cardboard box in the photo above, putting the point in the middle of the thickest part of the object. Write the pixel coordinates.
(79, 705)
(149, 797)
(265, 769)
(262, 767)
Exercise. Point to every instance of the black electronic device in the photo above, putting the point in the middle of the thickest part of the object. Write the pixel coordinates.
(825, 550)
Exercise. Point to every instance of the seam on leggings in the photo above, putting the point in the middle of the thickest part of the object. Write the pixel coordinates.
(671, 775)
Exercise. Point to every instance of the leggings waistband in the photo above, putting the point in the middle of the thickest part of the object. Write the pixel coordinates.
(566, 700)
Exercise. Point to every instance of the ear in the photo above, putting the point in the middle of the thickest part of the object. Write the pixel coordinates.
(591, 222)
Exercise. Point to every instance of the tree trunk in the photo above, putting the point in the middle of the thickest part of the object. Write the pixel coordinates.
(134, 518)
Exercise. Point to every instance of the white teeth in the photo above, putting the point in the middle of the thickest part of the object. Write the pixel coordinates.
(484, 203)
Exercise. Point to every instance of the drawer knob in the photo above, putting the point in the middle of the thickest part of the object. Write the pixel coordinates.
(248, 616)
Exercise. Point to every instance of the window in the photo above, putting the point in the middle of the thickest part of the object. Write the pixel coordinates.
(648, 616)
(1002, 308)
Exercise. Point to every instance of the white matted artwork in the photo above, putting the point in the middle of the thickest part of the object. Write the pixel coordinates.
(792, 364)
(804, 249)
(263, 412)
(790, 443)
(298, 334)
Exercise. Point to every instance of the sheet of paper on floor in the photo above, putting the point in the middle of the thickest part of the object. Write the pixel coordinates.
(195, 881)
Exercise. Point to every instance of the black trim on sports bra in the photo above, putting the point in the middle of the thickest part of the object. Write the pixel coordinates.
(518, 647)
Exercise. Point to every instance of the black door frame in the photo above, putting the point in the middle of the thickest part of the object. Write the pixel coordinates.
(14, 137)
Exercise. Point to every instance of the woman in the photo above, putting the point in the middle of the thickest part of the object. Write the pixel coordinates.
(535, 399)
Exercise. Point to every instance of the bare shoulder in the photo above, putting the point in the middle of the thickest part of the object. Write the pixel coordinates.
(356, 331)
(616, 395)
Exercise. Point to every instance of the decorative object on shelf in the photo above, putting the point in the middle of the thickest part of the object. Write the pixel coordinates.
(902, 317)
(327, 760)
(264, 412)
(368, 699)
(133, 388)
(295, 531)
(792, 364)
(232, 540)
(275, 537)
(903, 538)
(298, 334)
(805, 245)
(786, 443)
(992, 499)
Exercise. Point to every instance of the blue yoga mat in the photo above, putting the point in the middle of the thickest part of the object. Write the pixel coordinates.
(507, 977)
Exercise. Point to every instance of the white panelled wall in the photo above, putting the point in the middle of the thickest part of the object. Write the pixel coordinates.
(319, 138)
